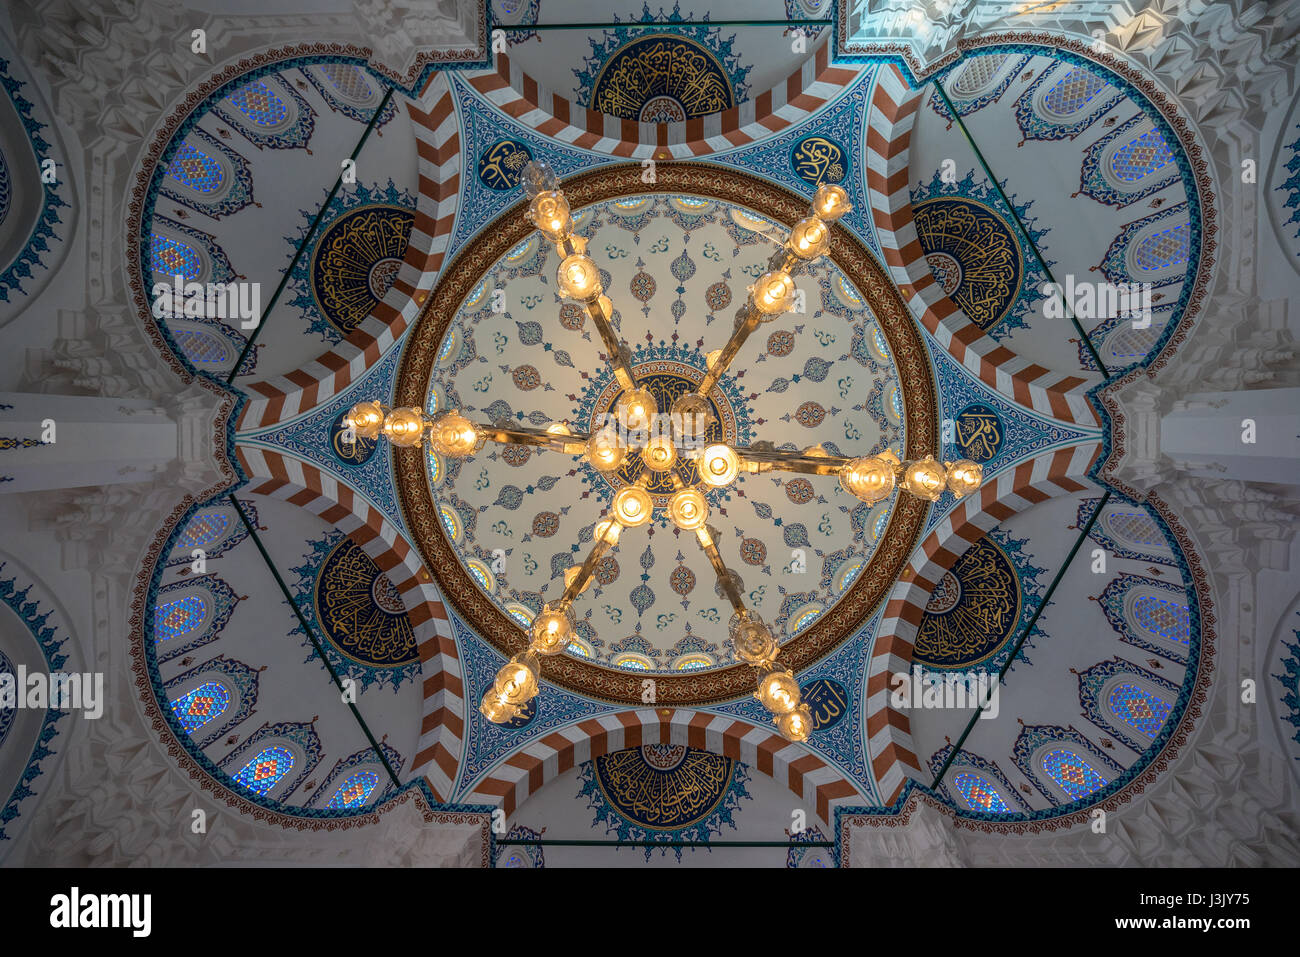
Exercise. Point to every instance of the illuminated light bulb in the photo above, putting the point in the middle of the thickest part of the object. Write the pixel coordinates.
(633, 506)
(550, 213)
(454, 435)
(558, 428)
(773, 293)
(516, 682)
(712, 358)
(538, 176)
(816, 452)
(691, 414)
(635, 409)
(778, 692)
(964, 477)
(496, 710)
(366, 419)
(551, 630)
(688, 509)
(604, 451)
(603, 303)
(869, 479)
(579, 278)
(571, 573)
(797, 725)
(809, 238)
(405, 427)
(830, 202)
(719, 466)
(659, 454)
(607, 530)
(753, 642)
(925, 478)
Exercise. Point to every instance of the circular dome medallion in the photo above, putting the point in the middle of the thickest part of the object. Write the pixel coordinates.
(668, 348)
(356, 261)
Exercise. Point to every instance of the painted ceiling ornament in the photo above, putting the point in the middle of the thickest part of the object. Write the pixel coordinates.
(979, 608)
(358, 612)
(664, 792)
(664, 77)
(352, 259)
(818, 159)
(977, 254)
(502, 162)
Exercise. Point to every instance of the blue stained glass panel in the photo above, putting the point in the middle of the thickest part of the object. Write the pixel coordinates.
(260, 104)
(179, 617)
(1144, 712)
(266, 770)
(207, 701)
(1073, 92)
(1141, 156)
(1164, 617)
(204, 529)
(354, 791)
(979, 794)
(1166, 248)
(1076, 776)
(168, 257)
(196, 169)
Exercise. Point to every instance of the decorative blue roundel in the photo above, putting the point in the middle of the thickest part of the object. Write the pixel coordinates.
(827, 700)
(978, 432)
(527, 714)
(354, 452)
(502, 163)
(817, 160)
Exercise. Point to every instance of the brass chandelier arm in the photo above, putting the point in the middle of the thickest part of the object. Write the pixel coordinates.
(753, 461)
(617, 353)
(749, 320)
(726, 581)
(578, 583)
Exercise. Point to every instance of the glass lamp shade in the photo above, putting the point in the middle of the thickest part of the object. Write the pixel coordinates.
(635, 409)
(659, 454)
(869, 479)
(496, 710)
(753, 642)
(538, 176)
(572, 572)
(964, 477)
(778, 692)
(367, 419)
(688, 509)
(712, 358)
(797, 725)
(579, 278)
(809, 238)
(719, 465)
(405, 427)
(830, 202)
(550, 213)
(453, 435)
(607, 530)
(633, 506)
(551, 630)
(516, 682)
(691, 416)
(925, 478)
(773, 293)
(604, 451)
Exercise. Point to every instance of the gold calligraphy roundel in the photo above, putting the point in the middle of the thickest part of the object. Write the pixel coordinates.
(972, 612)
(360, 610)
(357, 260)
(973, 254)
(661, 78)
(664, 787)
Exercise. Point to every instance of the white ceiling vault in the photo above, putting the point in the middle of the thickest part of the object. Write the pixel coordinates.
(314, 677)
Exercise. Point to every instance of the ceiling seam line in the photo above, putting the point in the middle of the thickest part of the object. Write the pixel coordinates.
(307, 237)
(1024, 636)
(311, 635)
(979, 155)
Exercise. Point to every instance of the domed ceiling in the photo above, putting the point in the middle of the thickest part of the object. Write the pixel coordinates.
(924, 331)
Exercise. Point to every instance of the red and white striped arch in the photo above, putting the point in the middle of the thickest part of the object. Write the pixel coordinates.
(526, 771)
(892, 116)
(803, 93)
(889, 736)
(437, 139)
(274, 475)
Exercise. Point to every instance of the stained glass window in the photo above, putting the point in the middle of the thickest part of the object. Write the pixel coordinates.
(693, 662)
(880, 524)
(1136, 708)
(979, 795)
(978, 73)
(1141, 156)
(1073, 92)
(576, 649)
(266, 770)
(478, 573)
(523, 618)
(1164, 617)
(260, 104)
(1137, 528)
(882, 344)
(1130, 344)
(896, 400)
(348, 80)
(1163, 249)
(207, 701)
(1076, 776)
(806, 618)
(204, 529)
(178, 617)
(449, 522)
(201, 347)
(196, 169)
(354, 791)
(170, 257)
(630, 662)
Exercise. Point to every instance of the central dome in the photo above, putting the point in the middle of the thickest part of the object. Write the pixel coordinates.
(676, 263)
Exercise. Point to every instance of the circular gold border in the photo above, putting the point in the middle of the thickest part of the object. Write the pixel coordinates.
(836, 624)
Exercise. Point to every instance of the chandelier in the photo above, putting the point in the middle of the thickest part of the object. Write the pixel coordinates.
(665, 443)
